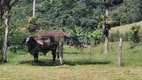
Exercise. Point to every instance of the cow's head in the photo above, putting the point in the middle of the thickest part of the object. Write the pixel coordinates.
(30, 42)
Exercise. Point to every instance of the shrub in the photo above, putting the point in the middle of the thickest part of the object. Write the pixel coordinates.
(96, 35)
(134, 36)
(126, 36)
(114, 36)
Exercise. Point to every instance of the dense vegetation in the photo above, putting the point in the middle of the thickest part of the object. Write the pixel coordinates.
(70, 14)
(67, 14)
(82, 13)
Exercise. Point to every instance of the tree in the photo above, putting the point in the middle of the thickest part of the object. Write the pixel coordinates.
(32, 25)
(6, 10)
(129, 11)
(104, 25)
(134, 36)
(34, 3)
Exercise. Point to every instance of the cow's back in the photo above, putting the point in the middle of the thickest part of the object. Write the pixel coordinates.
(48, 44)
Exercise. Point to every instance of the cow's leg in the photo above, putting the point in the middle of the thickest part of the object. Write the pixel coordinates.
(36, 57)
(44, 53)
(54, 54)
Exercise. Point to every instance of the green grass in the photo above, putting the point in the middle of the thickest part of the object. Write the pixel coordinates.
(84, 64)
(125, 28)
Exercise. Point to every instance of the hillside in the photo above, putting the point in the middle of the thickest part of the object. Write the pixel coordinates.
(124, 28)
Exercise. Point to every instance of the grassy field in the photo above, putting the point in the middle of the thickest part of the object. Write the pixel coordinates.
(84, 64)
(125, 28)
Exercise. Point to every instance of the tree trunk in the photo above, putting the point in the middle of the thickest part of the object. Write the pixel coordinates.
(34, 1)
(106, 47)
(120, 53)
(4, 55)
(106, 12)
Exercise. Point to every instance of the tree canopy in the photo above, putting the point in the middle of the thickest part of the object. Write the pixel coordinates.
(82, 13)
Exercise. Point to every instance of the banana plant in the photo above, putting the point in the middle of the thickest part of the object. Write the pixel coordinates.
(96, 36)
(76, 35)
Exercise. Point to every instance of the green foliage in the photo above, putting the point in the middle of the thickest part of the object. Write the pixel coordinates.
(126, 36)
(133, 36)
(114, 36)
(76, 35)
(135, 28)
(127, 12)
(32, 25)
(103, 21)
(15, 40)
(82, 35)
(68, 13)
(96, 35)
(16, 36)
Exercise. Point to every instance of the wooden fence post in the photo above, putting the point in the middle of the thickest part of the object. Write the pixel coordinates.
(61, 50)
(120, 52)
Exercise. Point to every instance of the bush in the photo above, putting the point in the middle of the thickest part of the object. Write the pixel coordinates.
(133, 35)
(114, 36)
(126, 36)
(96, 35)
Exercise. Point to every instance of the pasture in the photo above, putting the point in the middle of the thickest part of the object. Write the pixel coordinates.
(125, 28)
(84, 64)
